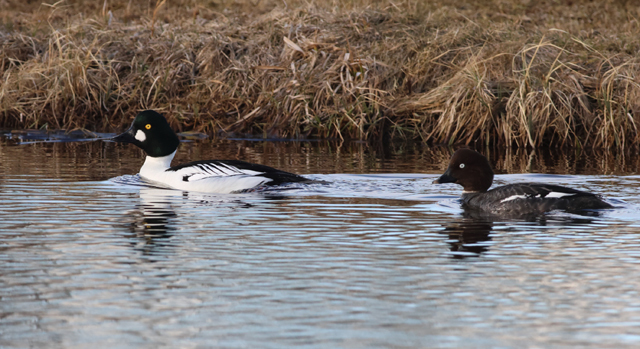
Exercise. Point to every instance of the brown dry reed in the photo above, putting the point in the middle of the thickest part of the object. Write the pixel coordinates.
(515, 73)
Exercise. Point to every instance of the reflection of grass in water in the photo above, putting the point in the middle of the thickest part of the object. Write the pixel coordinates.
(508, 72)
(52, 136)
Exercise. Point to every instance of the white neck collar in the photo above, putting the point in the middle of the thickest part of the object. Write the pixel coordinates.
(155, 164)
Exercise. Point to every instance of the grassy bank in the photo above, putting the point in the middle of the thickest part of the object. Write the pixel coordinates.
(523, 73)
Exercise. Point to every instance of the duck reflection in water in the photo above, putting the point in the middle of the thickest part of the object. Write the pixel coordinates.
(153, 223)
(468, 237)
(471, 235)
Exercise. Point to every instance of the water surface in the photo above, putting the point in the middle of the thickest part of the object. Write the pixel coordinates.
(379, 257)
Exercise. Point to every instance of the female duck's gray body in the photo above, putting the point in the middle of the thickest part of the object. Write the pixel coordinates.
(472, 170)
(151, 132)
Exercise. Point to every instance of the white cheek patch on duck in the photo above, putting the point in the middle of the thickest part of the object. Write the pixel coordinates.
(556, 194)
(140, 136)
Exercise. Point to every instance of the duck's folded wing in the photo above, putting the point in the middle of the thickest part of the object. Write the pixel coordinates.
(530, 191)
(213, 169)
(216, 177)
(199, 170)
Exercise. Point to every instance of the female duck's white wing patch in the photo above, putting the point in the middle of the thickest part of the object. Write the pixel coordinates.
(513, 197)
(556, 194)
(549, 195)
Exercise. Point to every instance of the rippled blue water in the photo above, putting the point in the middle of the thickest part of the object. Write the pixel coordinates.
(376, 258)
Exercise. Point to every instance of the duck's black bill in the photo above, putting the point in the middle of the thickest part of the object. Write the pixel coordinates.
(126, 137)
(445, 178)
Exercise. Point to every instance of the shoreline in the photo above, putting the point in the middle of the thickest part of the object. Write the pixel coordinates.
(473, 73)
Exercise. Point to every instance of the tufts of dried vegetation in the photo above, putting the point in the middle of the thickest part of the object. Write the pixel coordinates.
(517, 73)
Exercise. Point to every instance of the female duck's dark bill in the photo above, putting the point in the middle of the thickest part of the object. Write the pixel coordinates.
(445, 178)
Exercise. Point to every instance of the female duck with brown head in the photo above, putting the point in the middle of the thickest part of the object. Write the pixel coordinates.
(473, 172)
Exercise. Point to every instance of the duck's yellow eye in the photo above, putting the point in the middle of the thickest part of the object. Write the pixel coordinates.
(147, 126)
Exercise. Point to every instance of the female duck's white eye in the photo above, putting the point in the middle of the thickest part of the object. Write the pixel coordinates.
(461, 165)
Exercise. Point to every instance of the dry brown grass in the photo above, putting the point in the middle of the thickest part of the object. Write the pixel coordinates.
(523, 73)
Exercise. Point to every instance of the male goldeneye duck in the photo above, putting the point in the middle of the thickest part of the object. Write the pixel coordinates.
(472, 171)
(151, 132)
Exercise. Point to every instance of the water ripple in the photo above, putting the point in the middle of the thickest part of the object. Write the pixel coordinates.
(375, 260)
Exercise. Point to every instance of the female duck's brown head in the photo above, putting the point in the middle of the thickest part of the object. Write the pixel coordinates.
(470, 169)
